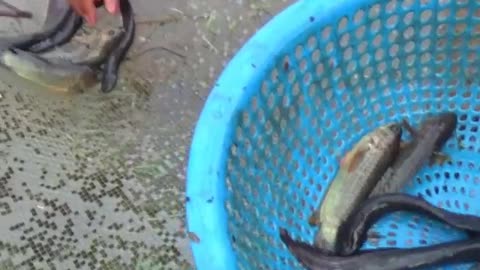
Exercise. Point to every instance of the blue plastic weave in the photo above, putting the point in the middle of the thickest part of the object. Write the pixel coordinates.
(300, 93)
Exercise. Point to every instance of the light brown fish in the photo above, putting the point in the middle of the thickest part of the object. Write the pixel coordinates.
(360, 170)
(58, 76)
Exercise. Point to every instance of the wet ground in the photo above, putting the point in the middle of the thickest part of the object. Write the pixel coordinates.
(96, 181)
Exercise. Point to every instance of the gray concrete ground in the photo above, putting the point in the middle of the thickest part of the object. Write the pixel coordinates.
(96, 181)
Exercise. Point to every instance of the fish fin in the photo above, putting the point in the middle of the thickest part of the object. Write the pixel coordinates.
(439, 158)
(410, 129)
(355, 158)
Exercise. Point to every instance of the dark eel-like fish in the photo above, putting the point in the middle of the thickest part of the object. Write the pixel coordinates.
(313, 258)
(434, 131)
(59, 12)
(111, 66)
(62, 36)
(352, 233)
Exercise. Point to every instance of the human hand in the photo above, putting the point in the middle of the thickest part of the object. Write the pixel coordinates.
(87, 8)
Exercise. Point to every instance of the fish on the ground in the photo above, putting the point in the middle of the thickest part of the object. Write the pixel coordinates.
(13, 11)
(313, 258)
(58, 76)
(359, 171)
(427, 141)
(112, 64)
(352, 233)
(58, 13)
(91, 46)
(63, 33)
(73, 67)
(112, 52)
(62, 36)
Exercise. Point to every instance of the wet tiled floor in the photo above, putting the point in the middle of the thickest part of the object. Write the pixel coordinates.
(96, 181)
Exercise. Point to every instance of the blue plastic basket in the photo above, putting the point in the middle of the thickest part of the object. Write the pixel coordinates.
(300, 93)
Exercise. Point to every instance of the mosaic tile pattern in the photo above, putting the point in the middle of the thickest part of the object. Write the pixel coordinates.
(96, 181)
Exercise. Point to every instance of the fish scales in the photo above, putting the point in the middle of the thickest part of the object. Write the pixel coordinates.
(411, 162)
(364, 165)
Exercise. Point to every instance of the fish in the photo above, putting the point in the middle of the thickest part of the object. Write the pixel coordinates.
(352, 233)
(428, 140)
(359, 171)
(312, 258)
(62, 36)
(106, 43)
(112, 64)
(90, 48)
(58, 76)
(14, 12)
(58, 13)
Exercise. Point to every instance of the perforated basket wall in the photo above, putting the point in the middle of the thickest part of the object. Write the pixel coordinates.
(269, 139)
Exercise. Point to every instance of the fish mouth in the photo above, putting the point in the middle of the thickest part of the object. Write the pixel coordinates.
(448, 119)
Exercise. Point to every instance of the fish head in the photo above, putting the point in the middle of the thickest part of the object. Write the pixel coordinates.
(448, 119)
(386, 135)
(385, 141)
(109, 82)
(445, 123)
(394, 128)
(385, 138)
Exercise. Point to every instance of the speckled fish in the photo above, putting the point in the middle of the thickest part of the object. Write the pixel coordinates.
(313, 258)
(430, 138)
(63, 77)
(359, 171)
(352, 233)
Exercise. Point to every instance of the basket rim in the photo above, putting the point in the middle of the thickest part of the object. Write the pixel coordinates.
(206, 169)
